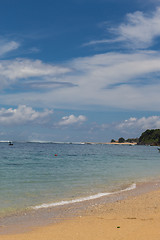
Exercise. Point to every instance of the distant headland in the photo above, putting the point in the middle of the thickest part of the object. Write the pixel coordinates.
(149, 137)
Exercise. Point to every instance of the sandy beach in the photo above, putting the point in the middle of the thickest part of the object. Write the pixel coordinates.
(112, 143)
(137, 218)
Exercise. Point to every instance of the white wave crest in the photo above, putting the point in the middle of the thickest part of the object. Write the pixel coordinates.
(98, 195)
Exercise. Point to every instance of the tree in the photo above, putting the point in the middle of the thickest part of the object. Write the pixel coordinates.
(150, 137)
(121, 140)
(112, 141)
(132, 140)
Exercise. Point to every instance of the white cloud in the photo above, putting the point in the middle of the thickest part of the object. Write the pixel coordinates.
(103, 41)
(22, 115)
(141, 123)
(129, 81)
(13, 70)
(69, 120)
(139, 31)
(7, 46)
(25, 68)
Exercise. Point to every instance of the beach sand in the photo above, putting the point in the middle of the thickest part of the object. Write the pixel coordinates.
(135, 218)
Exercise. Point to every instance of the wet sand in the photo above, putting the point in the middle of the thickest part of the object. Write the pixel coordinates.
(130, 215)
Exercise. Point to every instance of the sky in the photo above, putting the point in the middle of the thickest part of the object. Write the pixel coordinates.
(75, 70)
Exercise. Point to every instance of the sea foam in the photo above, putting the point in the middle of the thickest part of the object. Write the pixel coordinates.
(98, 195)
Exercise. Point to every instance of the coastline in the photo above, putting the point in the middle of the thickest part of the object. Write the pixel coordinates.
(111, 143)
(81, 220)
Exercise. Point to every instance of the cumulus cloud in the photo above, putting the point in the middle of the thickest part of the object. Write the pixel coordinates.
(69, 120)
(139, 30)
(140, 123)
(22, 115)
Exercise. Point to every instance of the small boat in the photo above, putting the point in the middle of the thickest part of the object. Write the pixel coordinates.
(158, 149)
(10, 143)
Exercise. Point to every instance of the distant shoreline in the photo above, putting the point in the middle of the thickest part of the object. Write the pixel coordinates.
(111, 143)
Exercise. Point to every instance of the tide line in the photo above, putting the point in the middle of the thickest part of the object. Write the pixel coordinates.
(98, 195)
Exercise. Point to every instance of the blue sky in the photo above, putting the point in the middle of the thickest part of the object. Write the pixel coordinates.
(79, 70)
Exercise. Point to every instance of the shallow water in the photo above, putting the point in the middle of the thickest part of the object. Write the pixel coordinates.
(31, 174)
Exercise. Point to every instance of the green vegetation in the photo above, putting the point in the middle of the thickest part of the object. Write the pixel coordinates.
(129, 140)
(150, 137)
(121, 140)
(132, 140)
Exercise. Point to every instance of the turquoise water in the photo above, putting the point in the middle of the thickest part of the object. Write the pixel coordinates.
(31, 174)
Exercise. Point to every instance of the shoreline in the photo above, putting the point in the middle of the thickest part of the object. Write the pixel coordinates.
(25, 223)
(132, 216)
(82, 199)
(111, 143)
(113, 171)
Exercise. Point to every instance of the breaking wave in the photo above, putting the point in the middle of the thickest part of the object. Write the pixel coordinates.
(98, 195)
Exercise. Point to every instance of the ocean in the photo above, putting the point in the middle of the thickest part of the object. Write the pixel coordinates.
(39, 175)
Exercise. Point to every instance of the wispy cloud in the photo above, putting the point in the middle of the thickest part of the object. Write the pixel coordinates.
(139, 31)
(13, 70)
(22, 115)
(72, 119)
(121, 80)
(7, 46)
(103, 41)
(25, 68)
(128, 81)
(42, 84)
